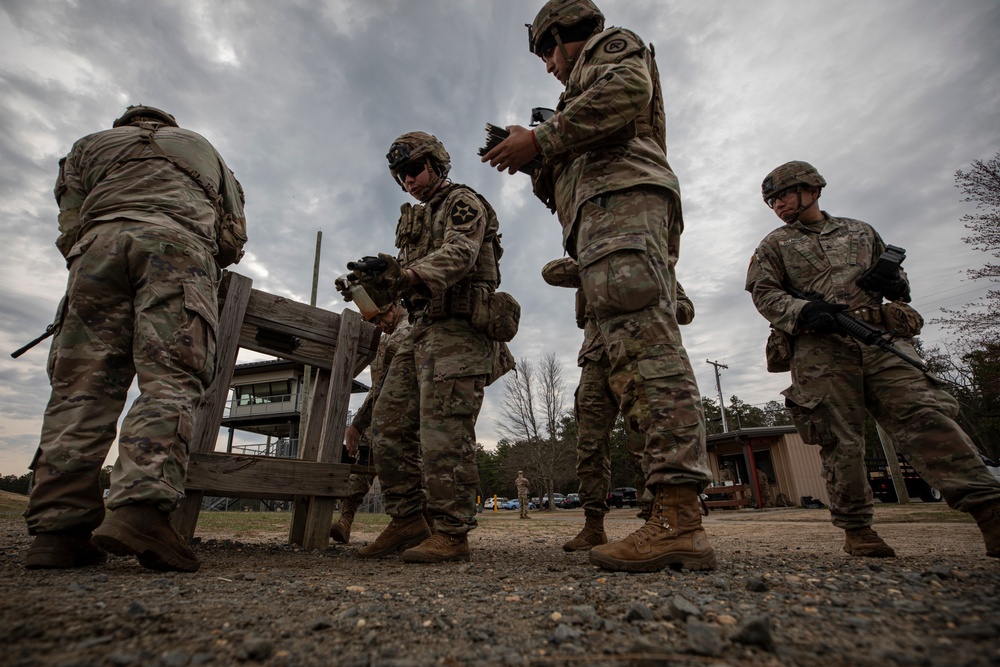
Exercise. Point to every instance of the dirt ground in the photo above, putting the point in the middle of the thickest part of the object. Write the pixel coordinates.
(784, 594)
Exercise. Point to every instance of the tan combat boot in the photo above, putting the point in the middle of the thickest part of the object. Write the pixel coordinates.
(63, 550)
(439, 548)
(145, 532)
(341, 531)
(672, 536)
(866, 542)
(401, 533)
(592, 534)
(988, 518)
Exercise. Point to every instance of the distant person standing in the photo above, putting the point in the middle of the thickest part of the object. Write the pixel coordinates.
(836, 379)
(522, 493)
(148, 212)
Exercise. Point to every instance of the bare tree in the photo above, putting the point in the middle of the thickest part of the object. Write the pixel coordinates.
(531, 412)
(978, 324)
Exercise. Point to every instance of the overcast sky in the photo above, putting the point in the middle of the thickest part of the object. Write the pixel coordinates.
(303, 99)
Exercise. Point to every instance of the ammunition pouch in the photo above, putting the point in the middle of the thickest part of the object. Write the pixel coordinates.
(901, 319)
(778, 351)
(231, 236)
(503, 362)
(543, 184)
(498, 315)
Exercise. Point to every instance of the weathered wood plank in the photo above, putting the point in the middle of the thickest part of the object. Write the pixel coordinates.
(219, 474)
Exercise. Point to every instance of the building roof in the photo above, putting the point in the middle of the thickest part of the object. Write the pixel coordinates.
(748, 433)
(252, 367)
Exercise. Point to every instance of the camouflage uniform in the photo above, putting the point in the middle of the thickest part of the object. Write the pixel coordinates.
(424, 418)
(596, 409)
(387, 347)
(619, 205)
(522, 485)
(835, 378)
(139, 238)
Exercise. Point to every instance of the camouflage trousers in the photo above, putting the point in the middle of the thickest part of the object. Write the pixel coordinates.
(596, 408)
(141, 303)
(627, 244)
(424, 422)
(835, 380)
(522, 502)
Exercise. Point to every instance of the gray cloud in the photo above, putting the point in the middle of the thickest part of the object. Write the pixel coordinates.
(303, 98)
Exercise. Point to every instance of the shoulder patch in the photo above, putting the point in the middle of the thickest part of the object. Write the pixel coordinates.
(615, 46)
(464, 211)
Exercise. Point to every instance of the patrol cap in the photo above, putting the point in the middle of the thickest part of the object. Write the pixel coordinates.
(562, 272)
(134, 112)
(571, 20)
(789, 174)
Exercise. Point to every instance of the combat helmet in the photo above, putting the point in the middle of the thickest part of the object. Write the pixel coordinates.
(563, 21)
(788, 175)
(414, 147)
(137, 111)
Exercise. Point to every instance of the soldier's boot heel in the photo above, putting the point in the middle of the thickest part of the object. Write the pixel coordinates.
(401, 533)
(866, 543)
(145, 532)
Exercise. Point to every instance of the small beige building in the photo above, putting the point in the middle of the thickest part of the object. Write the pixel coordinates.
(793, 468)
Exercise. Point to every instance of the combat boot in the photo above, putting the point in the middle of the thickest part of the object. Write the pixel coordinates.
(592, 534)
(988, 518)
(672, 536)
(401, 533)
(341, 531)
(143, 531)
(63, 550)
(439, 548)
(866, 542)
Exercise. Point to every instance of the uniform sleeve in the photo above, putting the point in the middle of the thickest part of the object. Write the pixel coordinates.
(617, 87)
(684, 307)
(233, 197)
(765, 276)
(464, 229)
(70, 194)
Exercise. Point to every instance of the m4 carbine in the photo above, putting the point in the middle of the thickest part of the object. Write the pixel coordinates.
(859, 330)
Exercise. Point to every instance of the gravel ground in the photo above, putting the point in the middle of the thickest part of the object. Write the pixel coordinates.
(785, 594)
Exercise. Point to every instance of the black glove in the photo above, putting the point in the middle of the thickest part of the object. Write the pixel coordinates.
(388, 286)
(891, 288)
(817, 316)
(343, 285)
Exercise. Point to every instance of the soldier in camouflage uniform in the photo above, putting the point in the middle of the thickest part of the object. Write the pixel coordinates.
(392, 319)
(835, 378)
(597, 410)
(605, 173)
(424, 420)
(523, 485)
(139, 234)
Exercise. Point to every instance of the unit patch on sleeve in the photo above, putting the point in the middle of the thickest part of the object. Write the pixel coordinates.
(615, 46)
(463, 212)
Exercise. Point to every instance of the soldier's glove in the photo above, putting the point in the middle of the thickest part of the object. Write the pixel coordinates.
(892, 289)
(389, 285)
(343, 285)
(817, 316)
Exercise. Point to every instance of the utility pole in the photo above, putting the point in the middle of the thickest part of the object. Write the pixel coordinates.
(307, 371)
(718, 388)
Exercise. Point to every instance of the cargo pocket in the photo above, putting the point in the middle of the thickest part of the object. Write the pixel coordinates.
(617, 275)
(460, 396)
(808, 422)
(195, 340)
(669, 392)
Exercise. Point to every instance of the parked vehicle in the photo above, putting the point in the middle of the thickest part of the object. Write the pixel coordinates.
(488, 505)
(556, 499)
(623, 495)
(880, 479)
(992, 466)
(571, 501)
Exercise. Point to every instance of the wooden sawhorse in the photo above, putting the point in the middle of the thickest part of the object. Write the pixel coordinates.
(339, 346)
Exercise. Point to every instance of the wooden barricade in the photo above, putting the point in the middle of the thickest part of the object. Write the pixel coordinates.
(338, 346)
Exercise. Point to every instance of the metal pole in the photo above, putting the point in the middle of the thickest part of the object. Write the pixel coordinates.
(307, 370)
(892, 460)
(718, 387)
